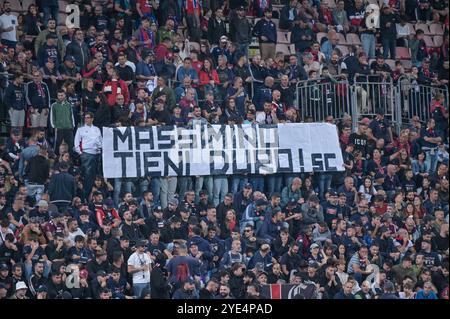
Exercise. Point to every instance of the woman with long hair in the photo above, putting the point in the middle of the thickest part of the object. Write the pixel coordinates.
(103, 186)
(229, 225)
(208, 78)
(90, 100)
(367, 189)
(419, 167)
(419, 210)
(32, 23)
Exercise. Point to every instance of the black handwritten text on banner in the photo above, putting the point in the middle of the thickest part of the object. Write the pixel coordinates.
(220, 149)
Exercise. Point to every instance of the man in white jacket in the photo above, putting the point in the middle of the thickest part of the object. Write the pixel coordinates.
(88, 143)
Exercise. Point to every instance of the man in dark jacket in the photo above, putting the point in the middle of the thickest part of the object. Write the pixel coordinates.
(346, 292)
(389, 291)
(37, 172)
(266, 32)
(62, 188)
(288, 15)
(241, 30)
(158, 279)
(216, 27)
(79, 49)
(14, 99)
(38, 100)
(302, 35)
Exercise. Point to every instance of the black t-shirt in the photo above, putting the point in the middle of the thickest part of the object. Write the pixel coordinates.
(161, 116)
(291, 261)
(360, 142)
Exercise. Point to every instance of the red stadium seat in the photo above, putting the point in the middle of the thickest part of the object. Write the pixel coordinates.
(411, 28)
(402, 53)
(423, 27)
(436, 28)
(428, 41)
(353, 38)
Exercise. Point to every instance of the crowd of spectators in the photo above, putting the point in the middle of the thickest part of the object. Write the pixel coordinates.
(377, 230)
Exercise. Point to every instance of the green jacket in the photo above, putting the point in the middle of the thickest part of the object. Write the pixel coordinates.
(61, 115)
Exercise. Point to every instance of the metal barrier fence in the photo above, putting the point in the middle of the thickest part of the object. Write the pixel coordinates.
(367, 95)
(323, 96)
(414, 99)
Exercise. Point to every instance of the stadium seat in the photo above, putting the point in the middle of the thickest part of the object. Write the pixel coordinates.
(27, 3)
(411, 28)
(284, 48)
(283, 37)
(320, 35)
(407, 64)
(391, 63)
(436, 29)
(353, 38)
(16, 6)
(423, 27)
(343, 49)
(429, 41)
(342, 40)
(402, 53)
(438, 40)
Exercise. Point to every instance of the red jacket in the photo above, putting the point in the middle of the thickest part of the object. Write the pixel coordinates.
(113, 88)
(205, 77)
(101, 215)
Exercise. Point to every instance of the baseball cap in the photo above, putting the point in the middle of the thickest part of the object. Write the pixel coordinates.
(314, 245)
(4, 267)
(223, 38)
(261, 202)
(56, 214)
(365, 121)
(109, 203)
(173, 202)
(69, 58)
(42, 288)
(248, 186)
(15, 131)
(388, 286)
(313, 264)
(158, 209)
(101, 273)
(240, 8)
(141, 243)
(42, 203)
(386, 217)
(332, 192)
(189, 280)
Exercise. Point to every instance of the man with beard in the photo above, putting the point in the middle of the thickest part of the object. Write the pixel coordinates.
(223, 207)
(131, 229)
(287, 92)
(330, 284)
(224, 292)
(55, 285)
(171, 209)
(156, 221)
(330, 207)
(172, 231)
(242, 199)
(37, 278)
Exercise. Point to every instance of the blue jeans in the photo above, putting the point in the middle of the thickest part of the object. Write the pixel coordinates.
(220, 189)
(202, 182)
(50, 12)
(89, 164)
(138, 288)
(324, 183)
(274, 182)
(258, 183)
(389, 45)
(118, 188)
(368, 44)
(431, 161)
(184, 184)
(238, 182)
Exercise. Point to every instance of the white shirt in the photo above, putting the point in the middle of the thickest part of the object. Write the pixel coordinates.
(74, 234)
(7, 21)
(88, 139)
(402, 30)
(139, 260)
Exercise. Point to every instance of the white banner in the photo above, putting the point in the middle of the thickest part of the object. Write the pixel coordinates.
(220, 150)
